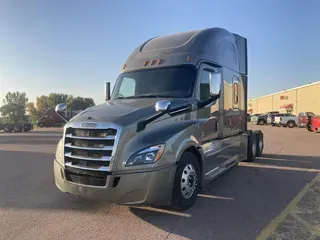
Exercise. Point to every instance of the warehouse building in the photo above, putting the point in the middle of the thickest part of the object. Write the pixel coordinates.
(305, 98)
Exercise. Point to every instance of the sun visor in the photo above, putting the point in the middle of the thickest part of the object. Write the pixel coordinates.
(242, 53)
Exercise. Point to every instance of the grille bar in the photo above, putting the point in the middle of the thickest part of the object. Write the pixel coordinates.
(102, 168)
(105, 148)
(90, 138)
(104, 158)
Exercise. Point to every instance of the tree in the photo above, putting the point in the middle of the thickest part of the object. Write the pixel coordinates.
(56, 98)
(14, 107)
(33, 112)
(80, 103)
(42, 104)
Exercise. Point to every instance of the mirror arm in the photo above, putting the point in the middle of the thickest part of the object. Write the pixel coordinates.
(62, 117)
(143, 123)
(204, 103)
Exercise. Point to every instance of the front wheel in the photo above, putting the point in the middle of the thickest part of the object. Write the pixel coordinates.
(186, 183)
(261, 122)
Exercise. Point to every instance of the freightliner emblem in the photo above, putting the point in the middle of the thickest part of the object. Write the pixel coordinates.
(89, 125)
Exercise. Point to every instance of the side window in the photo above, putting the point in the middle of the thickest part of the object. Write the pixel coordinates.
(205, 85)
(127, 87)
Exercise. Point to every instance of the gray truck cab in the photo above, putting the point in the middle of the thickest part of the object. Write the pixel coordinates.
(175, 120)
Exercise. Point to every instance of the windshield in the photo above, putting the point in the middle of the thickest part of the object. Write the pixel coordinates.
(175, 82)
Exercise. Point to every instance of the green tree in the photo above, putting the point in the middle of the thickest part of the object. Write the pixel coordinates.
(56, 98)
(33, 112)
(80, 103)
(14, 107)
(42, 104)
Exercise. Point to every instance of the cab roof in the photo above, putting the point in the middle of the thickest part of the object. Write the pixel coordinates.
(216, 45)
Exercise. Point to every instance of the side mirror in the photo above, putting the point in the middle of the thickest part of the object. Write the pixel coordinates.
(215, 84)
(163, 106)
(61, 107)
(107, 94)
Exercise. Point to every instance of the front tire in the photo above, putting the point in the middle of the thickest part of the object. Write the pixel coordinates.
(187, 182)
(261, 122)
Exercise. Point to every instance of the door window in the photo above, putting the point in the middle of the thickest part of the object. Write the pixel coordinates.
(205, 85)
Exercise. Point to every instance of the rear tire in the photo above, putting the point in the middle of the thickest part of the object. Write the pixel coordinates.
(260, 143)
(252, 147)
(309, 128)
(261, 122)
(291, 124)
(186, 183)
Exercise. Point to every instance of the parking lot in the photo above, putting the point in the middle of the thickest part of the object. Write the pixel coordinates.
(251, 200)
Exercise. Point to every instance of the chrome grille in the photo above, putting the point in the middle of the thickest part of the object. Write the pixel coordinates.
(89, 149)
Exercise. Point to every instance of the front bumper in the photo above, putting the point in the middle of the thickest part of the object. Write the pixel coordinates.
(153, 188)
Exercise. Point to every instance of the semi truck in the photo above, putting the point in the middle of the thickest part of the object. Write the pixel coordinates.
(175, 120)
(16, 127)
(51, 119)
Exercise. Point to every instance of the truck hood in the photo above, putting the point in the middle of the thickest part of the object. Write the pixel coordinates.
(123, 111)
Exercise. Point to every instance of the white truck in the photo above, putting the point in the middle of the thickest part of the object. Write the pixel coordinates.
(286, 120)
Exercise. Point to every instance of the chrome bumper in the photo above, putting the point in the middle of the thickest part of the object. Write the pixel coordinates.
(152, 188)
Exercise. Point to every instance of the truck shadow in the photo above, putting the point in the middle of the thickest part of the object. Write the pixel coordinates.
(240, 203)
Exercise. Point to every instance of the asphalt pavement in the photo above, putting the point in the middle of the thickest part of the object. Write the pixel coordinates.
(253, 200)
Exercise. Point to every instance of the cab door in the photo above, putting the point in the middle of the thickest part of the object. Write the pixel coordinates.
(208, 116)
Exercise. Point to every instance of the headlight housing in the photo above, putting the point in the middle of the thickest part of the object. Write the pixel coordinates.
(146, 156)
(59, 152)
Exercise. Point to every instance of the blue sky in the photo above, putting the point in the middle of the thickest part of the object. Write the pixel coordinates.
(75, 46)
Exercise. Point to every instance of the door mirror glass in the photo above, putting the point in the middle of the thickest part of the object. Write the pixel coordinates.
(215, 84)
(61, 107)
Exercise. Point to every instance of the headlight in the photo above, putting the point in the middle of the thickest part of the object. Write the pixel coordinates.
(147, 156)
(59, 152)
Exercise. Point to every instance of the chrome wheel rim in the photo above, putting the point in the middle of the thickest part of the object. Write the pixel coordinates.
(188, 181)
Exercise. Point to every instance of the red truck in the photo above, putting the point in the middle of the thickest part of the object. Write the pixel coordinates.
(50, 118)
(315, 124)
(305, 119)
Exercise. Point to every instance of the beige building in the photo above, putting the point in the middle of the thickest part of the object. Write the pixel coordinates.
(305, 98)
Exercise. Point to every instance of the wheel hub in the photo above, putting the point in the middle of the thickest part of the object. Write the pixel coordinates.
(188, 181)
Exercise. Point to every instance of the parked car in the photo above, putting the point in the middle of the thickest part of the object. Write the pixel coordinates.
(262, 119)
(271, 118)
(286, 120)
(304, 118)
